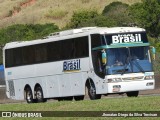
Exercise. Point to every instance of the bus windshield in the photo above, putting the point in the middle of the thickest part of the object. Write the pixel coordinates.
(128, 60)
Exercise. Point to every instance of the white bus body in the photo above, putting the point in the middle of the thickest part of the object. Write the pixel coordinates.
(36, 70)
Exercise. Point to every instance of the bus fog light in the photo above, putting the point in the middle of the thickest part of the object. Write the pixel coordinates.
(149, 84)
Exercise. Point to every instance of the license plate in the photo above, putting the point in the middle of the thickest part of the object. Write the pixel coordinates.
(116, 89)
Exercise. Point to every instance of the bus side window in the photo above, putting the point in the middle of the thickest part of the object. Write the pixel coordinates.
(41, 53)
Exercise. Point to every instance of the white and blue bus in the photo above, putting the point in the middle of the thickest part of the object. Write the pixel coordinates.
(91, 61)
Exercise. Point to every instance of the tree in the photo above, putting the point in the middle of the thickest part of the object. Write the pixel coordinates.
(118, 12)
(147, 15)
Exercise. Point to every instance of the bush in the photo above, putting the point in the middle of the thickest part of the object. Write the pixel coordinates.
(81, 17)
(21, 32)
(118, 11)
(100, 21)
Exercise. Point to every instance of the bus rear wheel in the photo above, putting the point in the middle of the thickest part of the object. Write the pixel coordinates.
(39, 95)
(29, 95)
(132, 94)
(92, 91)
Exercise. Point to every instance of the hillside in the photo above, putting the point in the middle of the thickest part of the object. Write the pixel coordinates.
(47, 11)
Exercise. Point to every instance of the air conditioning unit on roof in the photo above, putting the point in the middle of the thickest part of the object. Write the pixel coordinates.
(70, 32)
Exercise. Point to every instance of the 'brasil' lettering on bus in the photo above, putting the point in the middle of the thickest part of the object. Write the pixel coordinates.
(71, 65)
(125, 38)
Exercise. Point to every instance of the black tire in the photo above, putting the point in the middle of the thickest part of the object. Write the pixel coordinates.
(29, 95)
(132, 94)
(78, 98)
(92, 91)
(39, 95)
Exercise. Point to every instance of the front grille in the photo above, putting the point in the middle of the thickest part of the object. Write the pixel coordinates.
(133, 78)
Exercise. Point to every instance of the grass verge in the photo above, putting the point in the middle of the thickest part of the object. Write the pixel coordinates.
(144, 103)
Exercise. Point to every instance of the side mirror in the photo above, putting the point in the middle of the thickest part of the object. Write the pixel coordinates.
(104, 57)
(153, 49)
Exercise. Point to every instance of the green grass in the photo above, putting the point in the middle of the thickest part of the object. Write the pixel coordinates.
(110, 104)
(143, 103)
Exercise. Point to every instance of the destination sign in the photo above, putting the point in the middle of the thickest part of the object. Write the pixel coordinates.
(120, 38)
(126, 38)
(71, 65)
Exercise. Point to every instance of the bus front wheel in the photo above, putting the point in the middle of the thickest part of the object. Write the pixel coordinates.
(92, 92)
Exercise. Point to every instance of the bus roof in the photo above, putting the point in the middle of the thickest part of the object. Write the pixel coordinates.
(74, 33)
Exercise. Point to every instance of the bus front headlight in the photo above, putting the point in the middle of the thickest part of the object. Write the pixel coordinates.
(114, 80)
(149, 77)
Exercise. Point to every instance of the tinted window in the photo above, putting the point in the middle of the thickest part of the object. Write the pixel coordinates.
(97, 40)
(40, 53)
(54, 51)
(47, 52)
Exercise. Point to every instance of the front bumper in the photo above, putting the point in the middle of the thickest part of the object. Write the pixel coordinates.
(120, 87)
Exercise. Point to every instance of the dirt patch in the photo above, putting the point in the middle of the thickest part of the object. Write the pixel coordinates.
(27, 3)
(18, 8)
